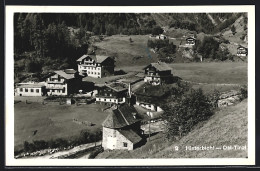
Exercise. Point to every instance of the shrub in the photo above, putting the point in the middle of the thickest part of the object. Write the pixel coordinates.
(243, 91)
(157, 30)
(182, 116)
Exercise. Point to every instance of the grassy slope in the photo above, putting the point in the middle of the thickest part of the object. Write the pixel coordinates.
(53, 121)
(213, 73)
(124, 51)
(227, 127)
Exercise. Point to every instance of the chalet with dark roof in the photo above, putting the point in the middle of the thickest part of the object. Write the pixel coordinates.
(63, 82)
(190, 41)
(157, 73)
(122, 129)
(113, 93)
(241, 51)
(96, 66)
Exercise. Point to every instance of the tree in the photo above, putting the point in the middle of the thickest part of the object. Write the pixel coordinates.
(208, 48)
(183, 115)
(130, 40)
(157, 30)
(233, 29)
(110, 30)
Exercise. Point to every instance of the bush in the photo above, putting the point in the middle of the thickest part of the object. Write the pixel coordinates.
(244, 93)
(33, 66)
(84, 137)
(190, 110)
(157, 30)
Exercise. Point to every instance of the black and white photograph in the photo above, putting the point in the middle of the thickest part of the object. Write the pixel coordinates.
(149, 85)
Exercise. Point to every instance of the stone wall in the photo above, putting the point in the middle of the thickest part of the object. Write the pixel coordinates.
(229, 98)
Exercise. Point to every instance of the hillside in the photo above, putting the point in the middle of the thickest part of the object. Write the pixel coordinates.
(126, 53)
(227, 127)
(47, 41)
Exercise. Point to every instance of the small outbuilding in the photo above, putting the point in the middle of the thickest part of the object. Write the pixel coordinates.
(122, 129)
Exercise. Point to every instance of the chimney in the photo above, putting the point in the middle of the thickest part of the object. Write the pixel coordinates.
(129, 90)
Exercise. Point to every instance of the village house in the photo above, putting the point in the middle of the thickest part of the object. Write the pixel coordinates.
(161, 36)
(241, 51)
(63, 82)
(30, 89)
(96, 66)
(122, 129)
(157, 73)
(190, 41)
(113, 93)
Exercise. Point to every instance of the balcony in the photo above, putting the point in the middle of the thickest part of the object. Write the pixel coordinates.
(55, 87)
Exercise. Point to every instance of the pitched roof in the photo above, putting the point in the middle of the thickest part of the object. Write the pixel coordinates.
(161, 66)
(67, 74)
(131, 135)
(100, 58)
(121, 117)
(82, 57)
(97, 58)
(117, 86)
(34, 85)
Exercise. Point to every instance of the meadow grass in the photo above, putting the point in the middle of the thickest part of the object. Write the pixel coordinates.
(53, 121)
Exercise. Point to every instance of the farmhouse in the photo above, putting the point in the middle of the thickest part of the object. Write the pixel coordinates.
(161, 36)
(113, 93)
(157, 73)
(63, 82)
(241, 51)
(96, 66)
(32, 89)
(122, 129)
(190, 41)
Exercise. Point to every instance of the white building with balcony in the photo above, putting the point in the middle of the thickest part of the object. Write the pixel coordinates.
(96, 66)
(63, 82)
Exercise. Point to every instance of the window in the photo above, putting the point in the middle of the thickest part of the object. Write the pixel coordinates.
(114, 100)
(125, 144)
(105, 99)
(91, 72)
(37, 91)
(26, 90)
(63, 91)
(21, 89)
(95, 73)
(32, 90)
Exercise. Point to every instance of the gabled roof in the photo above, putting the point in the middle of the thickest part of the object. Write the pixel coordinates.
(82, 57)
(161, 66)
(97, 58)
(67, 74)
(100, 59)
(131, 135)
(191, 38)
(241, 47)
(34, 85)
(121, 117)
(117, 86)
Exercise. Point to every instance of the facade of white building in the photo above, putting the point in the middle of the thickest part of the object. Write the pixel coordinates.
(35, 89)
(96, 66)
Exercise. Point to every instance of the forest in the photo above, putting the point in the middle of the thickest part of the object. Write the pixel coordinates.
(46, 41)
